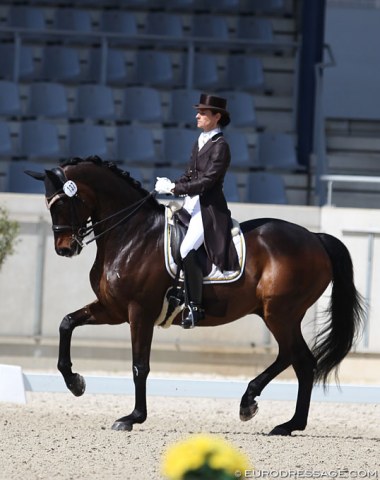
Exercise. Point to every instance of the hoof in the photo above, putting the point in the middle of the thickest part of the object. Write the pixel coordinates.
(246, 413)
(122, 426)
(77, 386)
(284, 432)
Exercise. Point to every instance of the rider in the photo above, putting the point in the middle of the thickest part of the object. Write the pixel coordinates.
(202, 186)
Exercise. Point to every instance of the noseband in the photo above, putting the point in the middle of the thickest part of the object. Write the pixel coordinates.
(80, 232)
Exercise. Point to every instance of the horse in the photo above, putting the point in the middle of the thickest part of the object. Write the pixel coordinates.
(287, 269)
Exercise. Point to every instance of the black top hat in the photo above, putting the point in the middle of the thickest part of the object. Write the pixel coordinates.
(211, 102)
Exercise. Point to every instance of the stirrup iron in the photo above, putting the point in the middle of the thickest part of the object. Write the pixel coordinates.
(194, 315)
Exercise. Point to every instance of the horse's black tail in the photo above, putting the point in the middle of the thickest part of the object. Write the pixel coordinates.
(346, 309)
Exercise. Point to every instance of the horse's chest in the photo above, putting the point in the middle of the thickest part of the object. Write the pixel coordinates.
(106, 283)
(110, 284)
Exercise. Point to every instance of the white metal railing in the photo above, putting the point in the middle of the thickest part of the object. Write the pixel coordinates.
(371, 234)
(330, 179)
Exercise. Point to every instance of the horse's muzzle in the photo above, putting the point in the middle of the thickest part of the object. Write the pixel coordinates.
(71, 251)
(64, 252)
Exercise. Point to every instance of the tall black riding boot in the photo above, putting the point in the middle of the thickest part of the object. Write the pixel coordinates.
(193, 290)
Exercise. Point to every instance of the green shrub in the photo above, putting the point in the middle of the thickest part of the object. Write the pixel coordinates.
(8, 233)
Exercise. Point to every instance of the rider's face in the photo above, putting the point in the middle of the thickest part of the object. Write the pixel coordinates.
(207, 120)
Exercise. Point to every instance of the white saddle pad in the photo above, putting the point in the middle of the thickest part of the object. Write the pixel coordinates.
(215, 276)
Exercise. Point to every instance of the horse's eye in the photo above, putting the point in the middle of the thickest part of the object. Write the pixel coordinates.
(59, 203)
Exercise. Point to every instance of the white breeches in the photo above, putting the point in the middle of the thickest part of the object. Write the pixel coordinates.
(195, 233)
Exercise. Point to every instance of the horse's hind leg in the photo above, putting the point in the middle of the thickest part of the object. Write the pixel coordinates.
(292, 351)
(90, 315)
(304, 364)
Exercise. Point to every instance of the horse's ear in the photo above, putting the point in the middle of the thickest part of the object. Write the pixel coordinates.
(55, 178)
(36, 175)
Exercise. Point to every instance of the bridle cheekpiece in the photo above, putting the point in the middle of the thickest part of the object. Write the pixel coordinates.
(68, 190)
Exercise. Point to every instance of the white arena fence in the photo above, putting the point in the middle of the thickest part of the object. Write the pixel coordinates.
(38, 288)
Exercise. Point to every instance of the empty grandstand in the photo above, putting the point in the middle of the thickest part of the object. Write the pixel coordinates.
(75, 77)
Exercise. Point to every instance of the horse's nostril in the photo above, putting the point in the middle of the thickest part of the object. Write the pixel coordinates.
(64, 252)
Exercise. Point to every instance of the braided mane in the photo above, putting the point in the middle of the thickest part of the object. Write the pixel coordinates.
(111, 166)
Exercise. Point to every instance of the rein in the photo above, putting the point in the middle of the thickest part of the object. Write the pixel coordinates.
(131, 209)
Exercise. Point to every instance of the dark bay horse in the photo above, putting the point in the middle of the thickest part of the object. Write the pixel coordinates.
(287, 270)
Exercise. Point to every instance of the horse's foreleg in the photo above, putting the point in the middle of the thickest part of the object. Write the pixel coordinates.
(89, 315)
(141, 336)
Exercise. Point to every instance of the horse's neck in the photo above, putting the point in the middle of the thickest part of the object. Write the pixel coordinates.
(111, 201)
(135, 220)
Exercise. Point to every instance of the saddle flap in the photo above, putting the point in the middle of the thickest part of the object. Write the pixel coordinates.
(177, 234)
(174, 234)
(178, 231)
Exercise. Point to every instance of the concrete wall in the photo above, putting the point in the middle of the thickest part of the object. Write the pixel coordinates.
(64, 284)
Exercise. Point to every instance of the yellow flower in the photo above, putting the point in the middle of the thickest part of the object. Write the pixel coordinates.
(181, 458)
(199, 451)
(228, 460)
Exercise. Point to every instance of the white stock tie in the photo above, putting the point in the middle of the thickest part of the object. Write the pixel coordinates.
(203, 139)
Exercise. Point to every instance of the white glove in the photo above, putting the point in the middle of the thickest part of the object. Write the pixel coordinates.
(164, 185)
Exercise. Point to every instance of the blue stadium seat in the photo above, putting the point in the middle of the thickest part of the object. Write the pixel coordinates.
(205, 75)
(25, 16)
(263, 7)
(255, 28)
(48, 100)
(61, 64)
(6, 148)
(132, 3)
(222, 6)
(119, 21)
(154, 68)
(181, 106)
(85, 140)
(173, 5)
(116, 72)
(238, 143)
(15, 69)
(241, 107)
(210, 26)
(245, 72)
(134, 172)
(177, 145)
(267, 188)
(230, 188)
(74, 19)
(277, 150)
(162, 23)
(135, 144)
(17, 180)
(142, 104)
(9, 98)
(39, 140)
(94, 102)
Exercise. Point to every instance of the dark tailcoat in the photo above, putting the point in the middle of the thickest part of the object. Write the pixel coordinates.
(204, 177)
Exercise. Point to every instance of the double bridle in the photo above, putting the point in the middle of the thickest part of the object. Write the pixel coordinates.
(80, 232)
